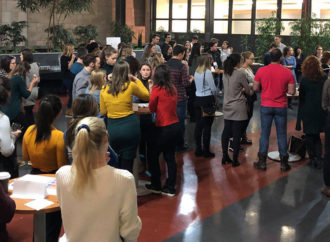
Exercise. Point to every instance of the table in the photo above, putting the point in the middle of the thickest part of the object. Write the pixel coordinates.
(39, 218)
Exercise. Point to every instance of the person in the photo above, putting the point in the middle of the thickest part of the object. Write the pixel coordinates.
(66, 61)
(278, 42)
(166, 44)
(43, 145)
(8, 63)
(134, 65)
(325, 61)
(168, 38)
(267, 59)
(148, 53)
(225, 51)
(26, 55)
(235, 111)
(188, 50)
(275, 82)
(205, 91)
(77, 66)
(326, 166)
(7, 211)
(248, 59)
(116, 104)
(81, 191)
(181, 80)
(163, 102)
(154, 41)
(194, 40)
(217, 64)
(167, 52)
(156, 60)
(109, 58)
(300, 57)
(7, 137)
(125, 52)
(93, 48)
(18, 90)
(82, 79)
(310, 108)
(98, 79)
(193, 58)
(319, 52)
(289, 61)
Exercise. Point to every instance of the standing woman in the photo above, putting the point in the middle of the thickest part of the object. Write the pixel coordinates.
(326, 166)
(300, 57)
(109, 58)
(67, 59)
(205, 91)
(310, 108)
(289, 61)
(26, 55)
(8, 63)
(163, 102)
(234, 106)
(148, 53)
(97, 80)
(188, 50)
(225, 51)
(116, 104)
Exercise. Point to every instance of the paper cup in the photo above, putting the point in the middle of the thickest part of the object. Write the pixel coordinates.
(4, 179)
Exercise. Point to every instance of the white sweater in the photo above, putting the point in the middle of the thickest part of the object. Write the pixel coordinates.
(104, 212)
(7, 141)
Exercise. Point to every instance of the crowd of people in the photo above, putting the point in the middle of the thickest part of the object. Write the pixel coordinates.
(104, 133)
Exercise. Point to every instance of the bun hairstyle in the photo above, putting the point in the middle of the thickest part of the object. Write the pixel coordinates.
(4, 90)
(246, 55)
(90, 133)
(231, 62)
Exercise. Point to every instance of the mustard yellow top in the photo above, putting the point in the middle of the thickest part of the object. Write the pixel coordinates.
(48, 155)
(122, 105)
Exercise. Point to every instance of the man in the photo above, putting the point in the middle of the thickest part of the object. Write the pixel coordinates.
(79, 65)
(180, 79)
(82, 79)
(194, 40)
(155, 40)
(168, 38)
(216, 56)
(278, 43)
(267, 59)
(276, 81)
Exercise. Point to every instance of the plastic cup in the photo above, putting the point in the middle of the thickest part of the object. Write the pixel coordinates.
(4, 180)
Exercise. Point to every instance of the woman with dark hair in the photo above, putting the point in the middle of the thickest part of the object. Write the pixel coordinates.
(43, 145)
(167, 52)
(193, 59)
(300, 57)
(8, 63)
(225, 51)
(134, 65)
(325, 61)
(163, 102)
(310, 110)
(116, 104)
(289, 61)
(109, 58)
(26, 55)
(148, 53)
(234, 106)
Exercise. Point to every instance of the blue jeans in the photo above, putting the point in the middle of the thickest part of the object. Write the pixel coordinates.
(181, 110)
(267, 115)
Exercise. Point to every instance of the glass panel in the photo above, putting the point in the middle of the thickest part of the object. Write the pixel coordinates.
(179, 26)
(242, 8)
(291, 9)
(197, 8)
(287, 28)
(161, 25)
(162, 9)
(221, 9)
(241, 27)
(220, 27)
(321, 9)
(180, 9)
(264, 8)
(198, 25)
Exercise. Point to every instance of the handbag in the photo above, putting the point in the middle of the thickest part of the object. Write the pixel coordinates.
(208, 111)
(297, 146)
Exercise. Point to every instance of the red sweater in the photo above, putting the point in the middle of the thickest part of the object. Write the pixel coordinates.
(164, 105)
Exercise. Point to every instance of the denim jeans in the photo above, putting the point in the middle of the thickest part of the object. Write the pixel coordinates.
(267, 115)
(181, 110)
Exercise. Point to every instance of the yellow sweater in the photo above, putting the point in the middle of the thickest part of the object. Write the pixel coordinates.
(122, 105)
(48, 155)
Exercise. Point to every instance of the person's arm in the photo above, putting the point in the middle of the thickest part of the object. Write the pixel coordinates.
(210, 81)
(7, 207)
(61, 157)
(256, 83)
(7, 140)
(22, 87)
(294, 62)
(186, 80)
(153, 102)
(81, 86)
(325, 96)
(129, 221)
(140, 90)
(291, 85)
(73, 57)
(25, 146)
(247, 90)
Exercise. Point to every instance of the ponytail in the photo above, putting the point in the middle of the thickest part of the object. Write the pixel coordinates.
(231, 62)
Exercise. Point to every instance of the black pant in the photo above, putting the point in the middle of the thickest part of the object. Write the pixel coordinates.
(191, 93)
(165, 141)
(326, 166)
(314, 146)
(147, 128)
(9, 164)
(250, 113)
(203, 124)
(233, 129)
(29, 117)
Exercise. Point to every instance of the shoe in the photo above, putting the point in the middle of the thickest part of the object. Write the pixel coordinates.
(208, 154)
(261, 163)
(284, 163)
(245, 141)
(226, 160)
(153, 188)
(198, 153)
(235, 163)
(231, 148)
(168, 192)
(326, 191)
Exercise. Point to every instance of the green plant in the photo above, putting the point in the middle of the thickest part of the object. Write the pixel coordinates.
(139, 45)
(123, 31)
(59, 36)
(11, 35)
(85, 33)
(245, 43)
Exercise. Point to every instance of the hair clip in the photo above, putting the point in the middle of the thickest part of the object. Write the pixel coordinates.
(83, 126)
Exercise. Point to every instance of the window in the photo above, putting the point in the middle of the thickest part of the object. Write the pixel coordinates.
(162, 25)
(242, 9)
(321, 9)
(162, 9)
(197, 16)
(179, 26)
(265, 8)
(221, 9)
(220, 27)
(291, 9)
(241, 27)
(198, 25)
(180, 9)
(287, 28)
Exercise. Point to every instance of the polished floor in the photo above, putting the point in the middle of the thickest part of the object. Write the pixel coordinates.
(221, 203)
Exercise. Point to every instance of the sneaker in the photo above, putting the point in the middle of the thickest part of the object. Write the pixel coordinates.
(153, 188)
(168, 192)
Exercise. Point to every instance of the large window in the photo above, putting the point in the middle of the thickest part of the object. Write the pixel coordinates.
(321, 9)
(266, 8)
(221, 15)
(163, 15)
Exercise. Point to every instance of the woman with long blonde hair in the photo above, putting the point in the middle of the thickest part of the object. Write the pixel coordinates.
(81, 191)
(98, 79)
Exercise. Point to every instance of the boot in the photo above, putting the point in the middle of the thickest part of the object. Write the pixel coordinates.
(261, 163)
(226, 159)
(206, 147)
(284, 163)
(235, 163)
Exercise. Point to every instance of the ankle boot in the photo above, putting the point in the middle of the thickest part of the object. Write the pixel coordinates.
(235, 163)
(261, 163)
(284, 163)
(226, 159)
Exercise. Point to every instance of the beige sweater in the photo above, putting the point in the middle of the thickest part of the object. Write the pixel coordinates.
(104, 212)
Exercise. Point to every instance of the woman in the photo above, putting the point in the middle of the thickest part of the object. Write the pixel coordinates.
(193, 59)
(18, 91)
(248, 59)
(148, 53)
(326, 108)
(8, 64)
(26, 55)
(77, 186)
(116, 104)
(109, 58)
(125, 52)
(205, 91)
(310, 108)
(156, 60)
(43, 145)
(163, 102)
(289, 61)
(7, 138)
(325, 61)
(97, 80)
(300, 57)
(225, 51)
(234, 106)
(66, 60)
(134, 65)
(188, 50)
(167, 52)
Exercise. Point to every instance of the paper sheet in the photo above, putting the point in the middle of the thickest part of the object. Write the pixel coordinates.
(39, 204)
